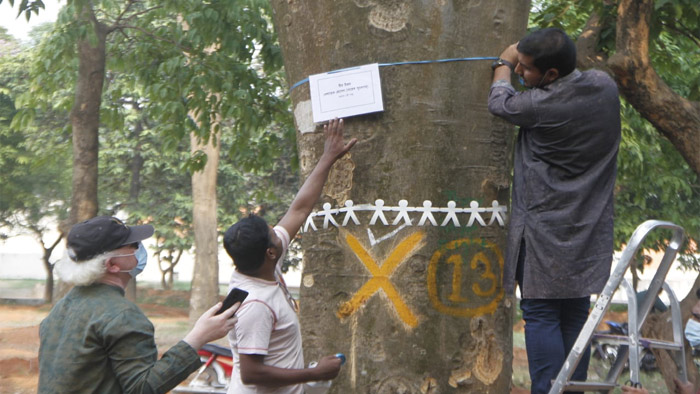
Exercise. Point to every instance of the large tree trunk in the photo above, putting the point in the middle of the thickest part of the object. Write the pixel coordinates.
(417, 309)
(205, 278)
(85, 119)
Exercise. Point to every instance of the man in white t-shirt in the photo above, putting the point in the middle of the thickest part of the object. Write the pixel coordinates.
(266, 340)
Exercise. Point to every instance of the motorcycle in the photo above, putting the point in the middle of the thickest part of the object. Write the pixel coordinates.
(608, 351)
(214, 374)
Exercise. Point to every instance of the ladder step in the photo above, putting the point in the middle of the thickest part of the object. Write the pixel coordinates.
(588, 386)
(612, 339)
(646, 342)
(659, 344)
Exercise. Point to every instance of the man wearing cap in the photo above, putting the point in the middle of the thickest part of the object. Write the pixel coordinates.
(95, 340)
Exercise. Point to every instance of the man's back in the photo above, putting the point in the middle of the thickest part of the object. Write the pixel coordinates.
(574, 122)
(564, 175)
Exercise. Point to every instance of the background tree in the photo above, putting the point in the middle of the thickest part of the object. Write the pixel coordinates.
(422, 310)
(173, 68)
(35, 164)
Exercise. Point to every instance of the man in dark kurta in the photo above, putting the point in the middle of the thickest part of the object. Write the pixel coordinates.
(560, 237)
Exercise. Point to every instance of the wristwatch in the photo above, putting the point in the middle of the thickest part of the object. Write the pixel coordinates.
(500, 62)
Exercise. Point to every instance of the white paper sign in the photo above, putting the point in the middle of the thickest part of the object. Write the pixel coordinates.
(348, 92)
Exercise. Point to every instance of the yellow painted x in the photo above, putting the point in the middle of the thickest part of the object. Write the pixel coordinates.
(380, 276)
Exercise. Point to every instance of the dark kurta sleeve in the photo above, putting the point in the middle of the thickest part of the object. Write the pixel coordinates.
(96, 341)
(516, 108)
(133, 354)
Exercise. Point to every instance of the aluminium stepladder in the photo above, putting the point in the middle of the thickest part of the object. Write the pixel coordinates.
(636, 316)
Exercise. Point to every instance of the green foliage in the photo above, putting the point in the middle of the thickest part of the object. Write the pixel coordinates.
(174, 68)
(27, 7)
(35, 161)
(147, 182)
(571, 16)
(217, 61)
(654, 182)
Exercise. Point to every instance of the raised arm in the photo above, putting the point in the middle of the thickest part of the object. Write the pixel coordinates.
(333, 149)
(510, 54)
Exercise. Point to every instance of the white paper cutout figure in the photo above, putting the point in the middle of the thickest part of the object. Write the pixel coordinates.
(349, 211)
(451, 214)
(496, 213)
(310, 222)
(378, 213)
(403, 214)
(328, 215)
(428, 213)
(475, 215)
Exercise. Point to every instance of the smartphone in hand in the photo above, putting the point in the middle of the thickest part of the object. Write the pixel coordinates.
(234, 296)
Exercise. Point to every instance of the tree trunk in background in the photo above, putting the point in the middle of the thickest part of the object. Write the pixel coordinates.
(417, 309)
(48, 266)
(205, 278)
(85, 122)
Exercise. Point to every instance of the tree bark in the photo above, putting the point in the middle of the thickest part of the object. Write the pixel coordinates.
(587, 54)
(85, 119)
(417, 309)
(48, 266)
(205, 278)
(136, 165)
(168, 273)
(674, 116)
(85, 123)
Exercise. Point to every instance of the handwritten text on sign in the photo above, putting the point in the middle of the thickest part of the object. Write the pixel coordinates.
(349, 92)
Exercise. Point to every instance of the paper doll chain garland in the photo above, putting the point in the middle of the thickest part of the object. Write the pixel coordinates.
(332, 216)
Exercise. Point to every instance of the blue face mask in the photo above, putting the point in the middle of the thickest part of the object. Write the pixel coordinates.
(141, 256)
(692, 332)
(522, 81)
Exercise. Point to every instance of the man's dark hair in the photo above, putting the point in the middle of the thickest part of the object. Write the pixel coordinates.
(697, 293)
(246, 242)
(550, 48)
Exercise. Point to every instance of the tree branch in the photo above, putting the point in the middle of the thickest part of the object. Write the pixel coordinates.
(683, 31)
(118, 22)
(121, 15)
(156, 37)
(587, 54)
(674, 116)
